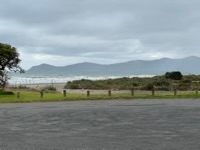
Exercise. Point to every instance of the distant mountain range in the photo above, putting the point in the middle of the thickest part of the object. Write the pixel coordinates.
(189, 65)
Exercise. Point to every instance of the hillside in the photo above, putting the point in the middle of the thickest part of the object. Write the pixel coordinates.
(189, 65)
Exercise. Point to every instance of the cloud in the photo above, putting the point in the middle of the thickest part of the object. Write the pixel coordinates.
(106, 31)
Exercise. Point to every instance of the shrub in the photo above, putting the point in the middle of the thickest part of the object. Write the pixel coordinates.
(134, 84)
(175, 75)
(163, 88)
(22, 87)
(2, 92)
(186, 81)
(74, 86)
(49, 88)
(161, 83)
(148, 87)
(184, 86)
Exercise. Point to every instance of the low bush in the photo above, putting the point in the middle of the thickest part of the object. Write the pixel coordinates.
(175, 75)
(184, 86)
(71, 85)
(2, 92)
(148, 87)
(49, 88)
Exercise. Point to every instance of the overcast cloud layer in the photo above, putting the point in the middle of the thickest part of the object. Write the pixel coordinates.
(62, 32)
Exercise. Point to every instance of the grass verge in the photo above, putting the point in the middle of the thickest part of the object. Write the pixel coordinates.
(27, 96)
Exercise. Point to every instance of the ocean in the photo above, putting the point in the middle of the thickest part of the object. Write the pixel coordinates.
(24, 79)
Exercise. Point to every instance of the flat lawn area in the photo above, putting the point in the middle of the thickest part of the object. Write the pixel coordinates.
(35, 96)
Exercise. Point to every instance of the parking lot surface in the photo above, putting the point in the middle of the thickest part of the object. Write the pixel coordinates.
(101, 125)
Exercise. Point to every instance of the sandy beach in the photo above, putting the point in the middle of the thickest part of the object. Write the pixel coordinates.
(60, 88)
(38, 86)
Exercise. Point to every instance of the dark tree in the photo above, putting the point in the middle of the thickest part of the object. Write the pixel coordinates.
(175, 75)
(9, 61)
(4, 77)
(9, 58)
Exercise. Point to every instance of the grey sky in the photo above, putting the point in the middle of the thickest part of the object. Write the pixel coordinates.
(62, 32)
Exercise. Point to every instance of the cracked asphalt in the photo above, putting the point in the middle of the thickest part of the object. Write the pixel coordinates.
(101, 125)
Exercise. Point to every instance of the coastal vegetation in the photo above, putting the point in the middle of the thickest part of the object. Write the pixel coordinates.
(166, 82)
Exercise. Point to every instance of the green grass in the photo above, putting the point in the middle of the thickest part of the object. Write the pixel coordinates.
(50, 97)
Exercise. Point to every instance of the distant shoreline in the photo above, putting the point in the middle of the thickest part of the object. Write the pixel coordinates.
(38, 86)
(31, 80)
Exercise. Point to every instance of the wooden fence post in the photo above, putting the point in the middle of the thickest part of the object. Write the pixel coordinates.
(197, 90)
(175, 91)
(153, 92)
(88, 93)
(18, 94)
(41, 94)
(109, 92)
(132, 91)
(64, 93)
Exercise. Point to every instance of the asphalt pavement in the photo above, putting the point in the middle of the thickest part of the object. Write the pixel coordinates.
(101, 125)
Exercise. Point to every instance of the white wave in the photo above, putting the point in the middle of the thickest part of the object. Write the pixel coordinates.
(21, 80)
